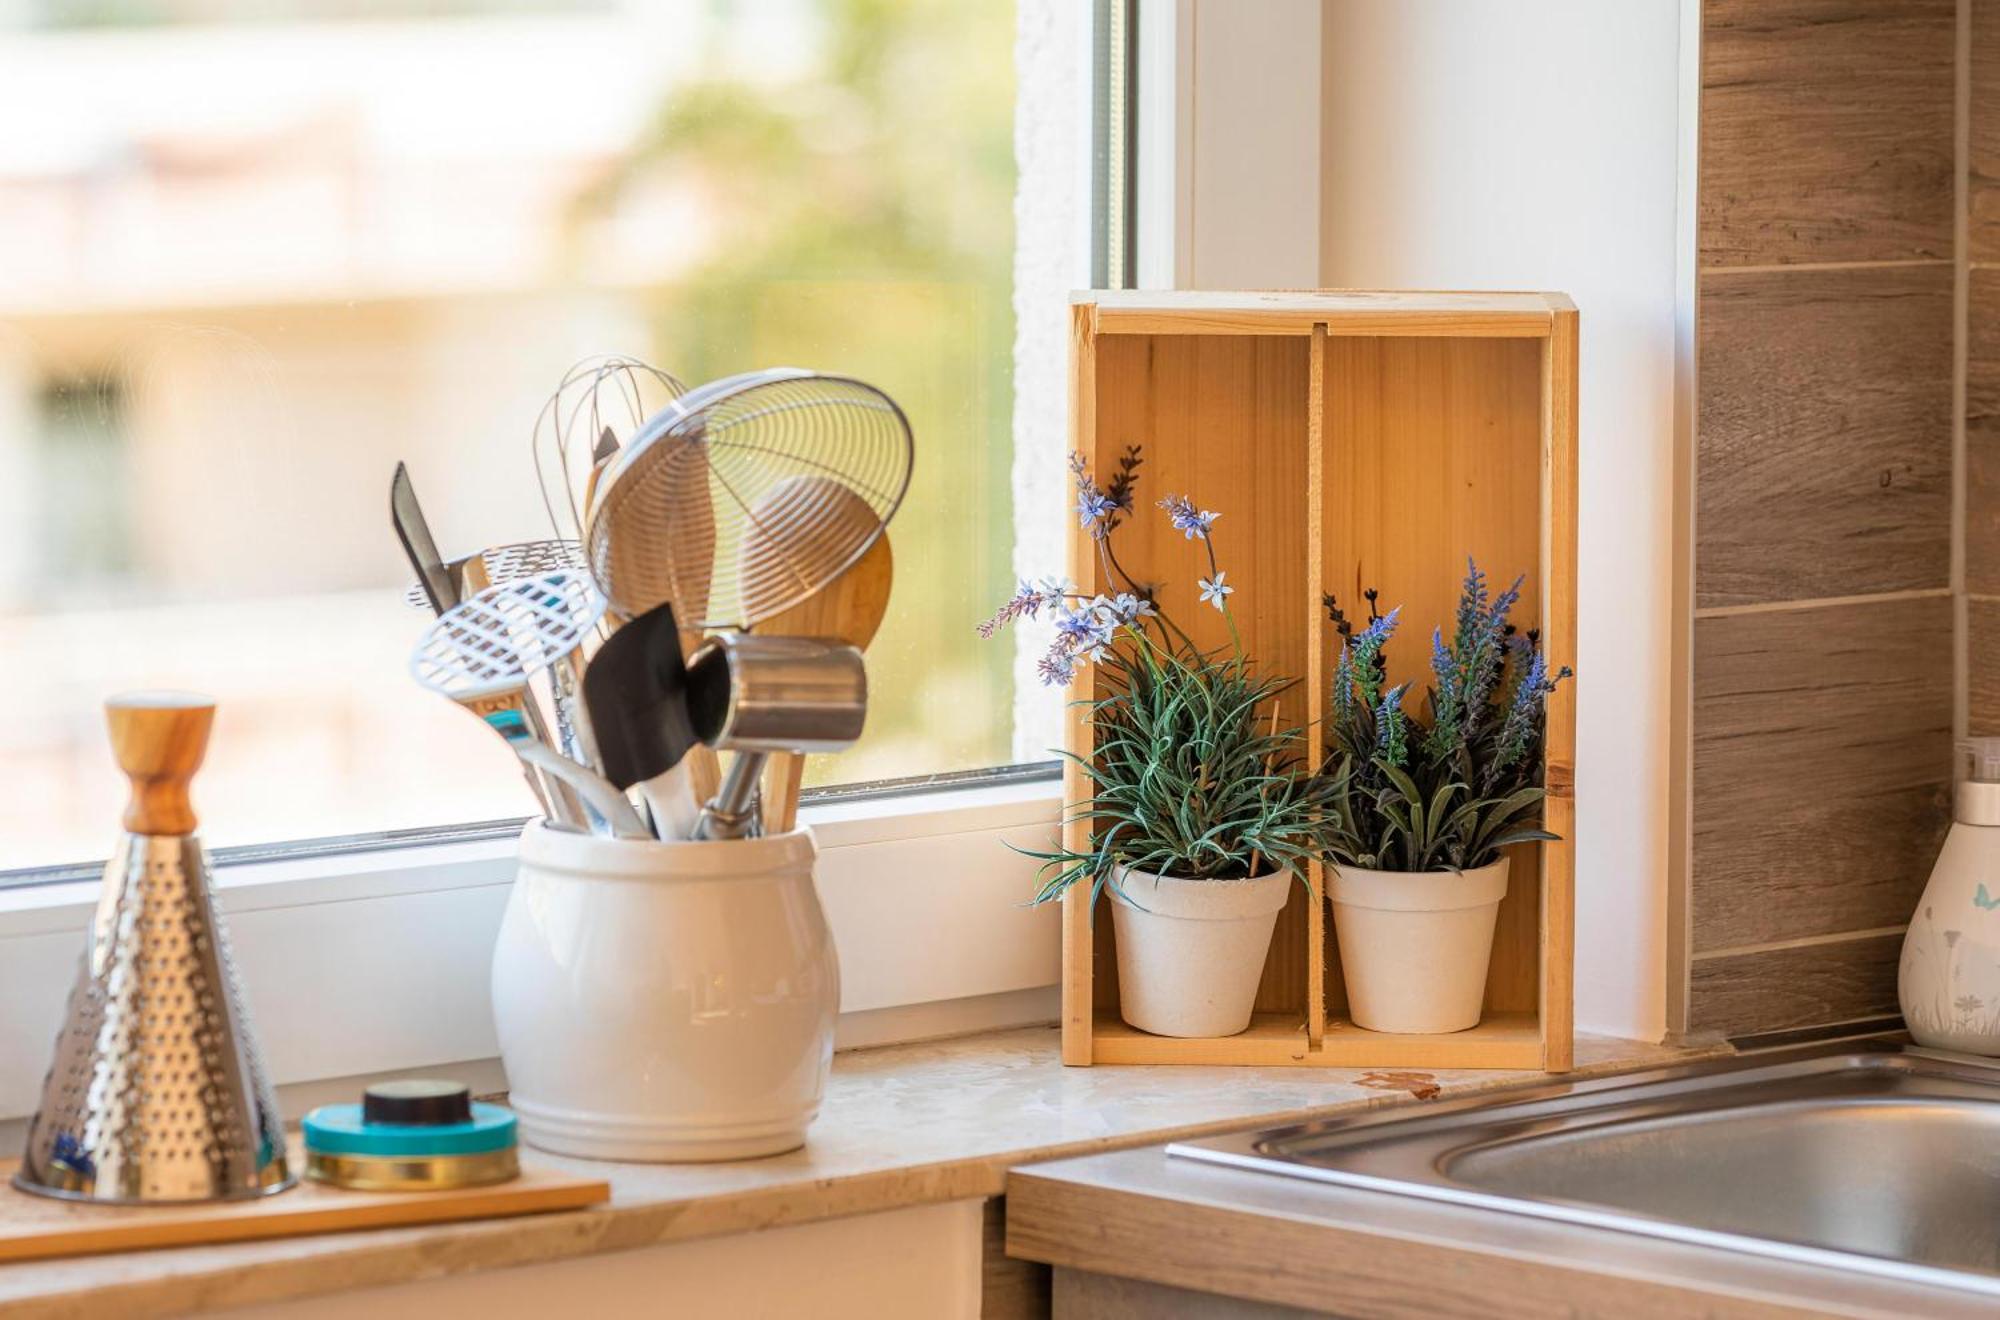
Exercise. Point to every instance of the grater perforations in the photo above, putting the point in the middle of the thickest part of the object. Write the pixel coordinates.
(156, 1092)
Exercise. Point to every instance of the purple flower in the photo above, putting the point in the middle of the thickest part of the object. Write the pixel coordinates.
(1057, 668)
(1378, 631)
(1214, 589)
(1188, 520)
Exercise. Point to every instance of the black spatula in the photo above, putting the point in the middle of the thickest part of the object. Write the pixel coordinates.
(636, 691)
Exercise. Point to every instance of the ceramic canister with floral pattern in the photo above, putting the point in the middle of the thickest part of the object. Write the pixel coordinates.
(1949, 982)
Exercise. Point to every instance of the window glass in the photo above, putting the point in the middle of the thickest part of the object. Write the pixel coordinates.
(254, 252)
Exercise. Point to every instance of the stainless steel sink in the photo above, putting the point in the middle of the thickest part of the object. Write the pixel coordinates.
(1881, 1158)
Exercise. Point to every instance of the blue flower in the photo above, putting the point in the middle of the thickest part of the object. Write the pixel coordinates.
(1092, 505)
(1188, 520)
(1213, 590)
(1076, 625)
(1130, 608)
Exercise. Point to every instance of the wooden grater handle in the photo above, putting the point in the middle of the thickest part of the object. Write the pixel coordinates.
(159, 739)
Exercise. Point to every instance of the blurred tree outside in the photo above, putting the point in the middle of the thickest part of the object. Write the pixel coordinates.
(860, 220)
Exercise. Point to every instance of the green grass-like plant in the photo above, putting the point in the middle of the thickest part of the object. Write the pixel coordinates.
(1192, 777)
(1449, 789)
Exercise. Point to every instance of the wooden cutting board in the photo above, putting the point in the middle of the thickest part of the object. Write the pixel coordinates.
(40, 1227)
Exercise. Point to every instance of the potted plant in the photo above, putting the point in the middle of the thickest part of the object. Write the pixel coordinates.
(1423, 807)
(1201, 813)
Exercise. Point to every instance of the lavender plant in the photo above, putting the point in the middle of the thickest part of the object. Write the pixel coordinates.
(1191, 778)
(1446, 790)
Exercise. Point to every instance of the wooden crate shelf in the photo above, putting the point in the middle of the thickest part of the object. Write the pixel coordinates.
(1348, 439)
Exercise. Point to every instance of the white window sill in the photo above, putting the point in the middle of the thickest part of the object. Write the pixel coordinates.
(377, 962)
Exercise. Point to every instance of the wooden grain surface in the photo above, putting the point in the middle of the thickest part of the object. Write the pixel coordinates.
(1501, 1040)
(1081, 1295)
(1198, 1243)
(1982, 431)
(1983, 162)
(1826, 131)
(1336, 458)
(1078, 935)
(1343, 311)
(1433, 453)
(1822, 743)
(36, 1227)
(1824, 455)
(1221, 419)
(1009, 1289)
(159, 740)
(1801, 986)
(1561, 482)
(1983, 671)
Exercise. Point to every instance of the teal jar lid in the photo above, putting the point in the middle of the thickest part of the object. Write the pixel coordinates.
(342, 1130)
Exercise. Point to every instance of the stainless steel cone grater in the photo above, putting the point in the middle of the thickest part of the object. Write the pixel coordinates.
(157, 1092)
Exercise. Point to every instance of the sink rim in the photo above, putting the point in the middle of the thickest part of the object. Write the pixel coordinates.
(1426, 1136)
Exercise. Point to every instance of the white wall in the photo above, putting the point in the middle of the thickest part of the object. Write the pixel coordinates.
(1531, 144)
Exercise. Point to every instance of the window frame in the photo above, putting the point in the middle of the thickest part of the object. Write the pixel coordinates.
(336, 938)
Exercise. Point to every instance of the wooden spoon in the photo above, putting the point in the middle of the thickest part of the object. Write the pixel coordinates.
(850, 608)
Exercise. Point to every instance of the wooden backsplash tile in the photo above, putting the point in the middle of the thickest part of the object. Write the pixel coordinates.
(1982, 432)
(1825, 434)
(1983, 667)
(1826, 130)
(1822, 760)
(1983, 199)
(1776, 989)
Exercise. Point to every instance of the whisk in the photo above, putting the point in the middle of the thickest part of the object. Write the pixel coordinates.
(599, 399)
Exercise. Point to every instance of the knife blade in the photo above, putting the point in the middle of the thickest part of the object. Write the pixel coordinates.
(440, 587)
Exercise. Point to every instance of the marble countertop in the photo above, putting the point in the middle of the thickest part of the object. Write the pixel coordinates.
(902, 1125)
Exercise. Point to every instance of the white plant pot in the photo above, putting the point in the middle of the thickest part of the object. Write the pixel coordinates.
(1414, 945)
(1191, 952)
(665, 1001)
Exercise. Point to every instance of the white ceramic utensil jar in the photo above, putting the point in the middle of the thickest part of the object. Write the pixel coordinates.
(665, 1001)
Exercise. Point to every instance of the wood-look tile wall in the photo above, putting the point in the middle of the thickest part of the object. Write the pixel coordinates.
(1822, 707)
(1982, 373)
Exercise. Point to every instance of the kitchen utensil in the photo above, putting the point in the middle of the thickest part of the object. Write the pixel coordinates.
(433, 579)
(685, 490)
(597, 396)
(483, 654)
(501, 563)
(849, 609)
(442, 586)
(755, 694)
(412, 1135)
(157, 1092)
(601, 455)
(636, 689)
(742, 440)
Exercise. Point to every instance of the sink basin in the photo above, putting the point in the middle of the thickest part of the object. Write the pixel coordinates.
(1881, 1158)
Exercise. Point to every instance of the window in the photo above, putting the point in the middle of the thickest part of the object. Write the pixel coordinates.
(282, 244)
